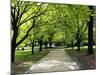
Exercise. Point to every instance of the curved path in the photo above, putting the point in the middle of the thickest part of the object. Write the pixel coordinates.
(56, 60)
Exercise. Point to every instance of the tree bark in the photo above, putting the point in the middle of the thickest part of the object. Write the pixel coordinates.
(33, 46)
(50, 42)
(23, 48)
(78, 45)
(46, 43)
(13, 44)
(72, 44)
(90, 33)
(12, 54)
(40, 49)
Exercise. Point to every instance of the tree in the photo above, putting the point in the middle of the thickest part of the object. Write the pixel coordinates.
(90, 31)
(80, 35)
(40, 36)
(22, 12)
(74, 19)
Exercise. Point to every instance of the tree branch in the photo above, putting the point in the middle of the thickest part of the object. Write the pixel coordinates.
(31, 18)
(26, 35)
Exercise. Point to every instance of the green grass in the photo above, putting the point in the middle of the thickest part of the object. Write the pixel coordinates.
(82, 50)
(25, 59)
(28, 56)
(82, 47)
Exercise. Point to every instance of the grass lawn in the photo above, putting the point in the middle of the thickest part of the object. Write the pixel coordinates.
(81, 56)
(24, 59)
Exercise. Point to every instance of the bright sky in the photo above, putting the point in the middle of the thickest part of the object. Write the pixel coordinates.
(85, 2)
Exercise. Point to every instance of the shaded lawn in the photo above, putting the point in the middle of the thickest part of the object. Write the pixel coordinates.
(24, 60)
(81, 56)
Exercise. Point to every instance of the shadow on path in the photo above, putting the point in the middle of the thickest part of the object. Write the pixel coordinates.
(56, 60)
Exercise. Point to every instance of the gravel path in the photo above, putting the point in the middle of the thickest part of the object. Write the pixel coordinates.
(56, 60)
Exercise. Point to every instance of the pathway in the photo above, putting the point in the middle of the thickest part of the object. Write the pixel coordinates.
(56, 60)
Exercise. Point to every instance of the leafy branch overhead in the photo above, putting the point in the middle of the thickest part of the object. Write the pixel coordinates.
(48, 22)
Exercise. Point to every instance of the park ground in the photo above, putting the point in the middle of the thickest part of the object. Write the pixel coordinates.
(53, 60)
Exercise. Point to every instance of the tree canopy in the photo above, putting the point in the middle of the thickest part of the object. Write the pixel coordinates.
(48, 22)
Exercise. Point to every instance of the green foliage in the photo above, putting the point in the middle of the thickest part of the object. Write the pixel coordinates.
(58, 21)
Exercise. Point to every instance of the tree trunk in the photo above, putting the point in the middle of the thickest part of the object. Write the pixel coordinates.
(46, 45)
(40, 45)
(50, 42)
(23, 48)
(72, 44)
(78, 48)
(12, 54)
(33, 46)
(78, 45)
(78, 39)
(90, 33)
(13, 44)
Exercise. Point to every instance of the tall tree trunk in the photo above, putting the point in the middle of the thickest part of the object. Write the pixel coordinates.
(13, 44)
(72, 44)
(78, 45)
(12, 54)
(50, 41)
(23, 48)
(78, 39)
(40, 45)
(46, 45)
(90, 33)
(33, 46)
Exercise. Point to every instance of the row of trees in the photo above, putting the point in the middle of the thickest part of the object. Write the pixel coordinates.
(49, 23)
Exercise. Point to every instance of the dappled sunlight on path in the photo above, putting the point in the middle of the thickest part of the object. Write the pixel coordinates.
(56, 60)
